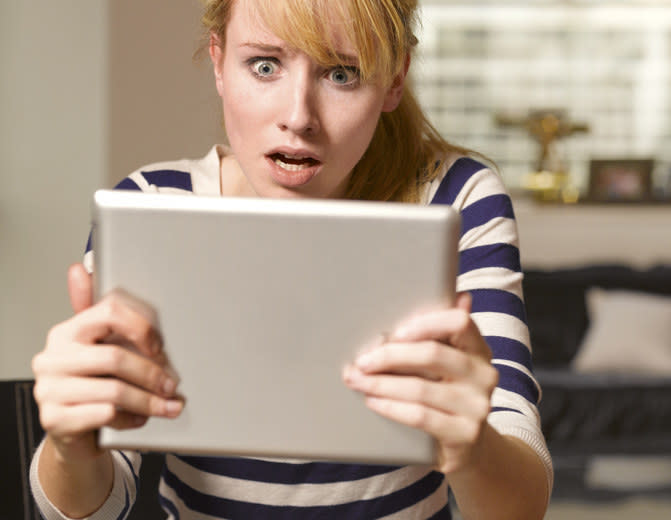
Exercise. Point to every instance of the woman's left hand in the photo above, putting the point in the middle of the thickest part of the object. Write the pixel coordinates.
(434, 373)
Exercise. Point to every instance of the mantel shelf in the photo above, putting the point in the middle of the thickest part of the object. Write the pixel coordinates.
(557, 235)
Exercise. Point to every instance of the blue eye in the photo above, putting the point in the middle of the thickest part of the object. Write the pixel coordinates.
(344, 75)
(264, 68)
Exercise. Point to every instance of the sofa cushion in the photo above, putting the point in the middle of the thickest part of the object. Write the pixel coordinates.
(629, 332)
(557, 310)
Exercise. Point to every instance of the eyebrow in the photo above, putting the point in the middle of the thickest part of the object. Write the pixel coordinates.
(349, 59)
(264, 47)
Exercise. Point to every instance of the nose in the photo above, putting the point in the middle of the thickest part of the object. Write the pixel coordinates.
(300, 114)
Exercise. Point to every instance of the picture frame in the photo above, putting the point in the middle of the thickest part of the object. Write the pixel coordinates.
(620, 180)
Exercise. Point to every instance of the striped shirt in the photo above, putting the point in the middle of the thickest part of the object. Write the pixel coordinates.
(199, 487)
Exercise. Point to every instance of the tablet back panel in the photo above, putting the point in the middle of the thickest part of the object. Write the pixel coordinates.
(261, 303)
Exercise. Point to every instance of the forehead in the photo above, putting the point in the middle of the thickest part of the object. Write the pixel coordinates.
(246, 24)
(298, 26)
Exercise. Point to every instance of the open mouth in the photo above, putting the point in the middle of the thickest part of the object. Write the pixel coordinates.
(293, 163)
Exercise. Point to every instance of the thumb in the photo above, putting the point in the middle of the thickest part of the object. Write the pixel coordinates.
(80, 287)
(464, 302)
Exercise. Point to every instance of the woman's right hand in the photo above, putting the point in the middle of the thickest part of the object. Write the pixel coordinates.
(84, 380)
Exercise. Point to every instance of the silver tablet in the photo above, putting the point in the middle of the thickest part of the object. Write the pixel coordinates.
(261, 302)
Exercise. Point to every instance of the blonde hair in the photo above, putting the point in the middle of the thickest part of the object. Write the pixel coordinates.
(406, 150)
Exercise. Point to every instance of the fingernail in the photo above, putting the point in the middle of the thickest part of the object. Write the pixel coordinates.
(365, 360)
(173, 407)
(401, 332)
(351, 373)
(156, 345)
(169, 386)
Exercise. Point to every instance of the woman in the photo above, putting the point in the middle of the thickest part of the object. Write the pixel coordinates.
(316, 104)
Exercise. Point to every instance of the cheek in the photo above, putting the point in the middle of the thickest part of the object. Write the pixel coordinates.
(241, 113)
(358, 128)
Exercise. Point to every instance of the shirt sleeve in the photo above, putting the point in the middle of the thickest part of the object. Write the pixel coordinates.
(490, 270)
(117, 505)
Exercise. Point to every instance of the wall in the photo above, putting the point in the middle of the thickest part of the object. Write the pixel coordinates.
(163, 104)
(52, 156)
(89, 91)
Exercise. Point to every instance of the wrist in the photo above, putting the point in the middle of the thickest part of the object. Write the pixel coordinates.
(470, 464)
(77, 486)
(503, 478)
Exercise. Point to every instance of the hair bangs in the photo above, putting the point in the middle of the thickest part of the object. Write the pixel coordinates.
(326, 29)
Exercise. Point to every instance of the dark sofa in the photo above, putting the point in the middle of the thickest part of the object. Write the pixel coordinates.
(587, 414)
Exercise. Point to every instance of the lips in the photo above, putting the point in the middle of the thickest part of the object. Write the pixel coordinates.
(293, 168)
(293, 162)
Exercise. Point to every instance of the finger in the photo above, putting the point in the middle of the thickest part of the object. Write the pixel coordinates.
(83, 419)
(108, 360)
(64, 421)
(452, 326)
(450, 398)
(109, 317)
(428, 359)
(440, 324)
(127, 421)
(447, 429)
(74, 421)
(93, 390)
(464, 302)
(80, 287)
(407, 327)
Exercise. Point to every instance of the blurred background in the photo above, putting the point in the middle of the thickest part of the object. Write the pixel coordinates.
(569, 99)
(602, 66)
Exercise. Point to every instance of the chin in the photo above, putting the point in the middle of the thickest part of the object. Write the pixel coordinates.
(283, 192)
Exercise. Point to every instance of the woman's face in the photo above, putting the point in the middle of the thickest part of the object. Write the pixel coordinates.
(295, 128)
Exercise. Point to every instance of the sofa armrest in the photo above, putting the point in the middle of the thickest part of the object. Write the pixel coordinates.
(19, 436)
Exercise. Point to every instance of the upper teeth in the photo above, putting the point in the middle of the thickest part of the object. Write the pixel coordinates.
(291, 167)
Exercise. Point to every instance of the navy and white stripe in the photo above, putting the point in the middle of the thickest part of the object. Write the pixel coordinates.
(490, 270)
(206, 488)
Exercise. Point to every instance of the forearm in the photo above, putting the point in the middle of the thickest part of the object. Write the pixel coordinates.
(77, 490)
(505, 479)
